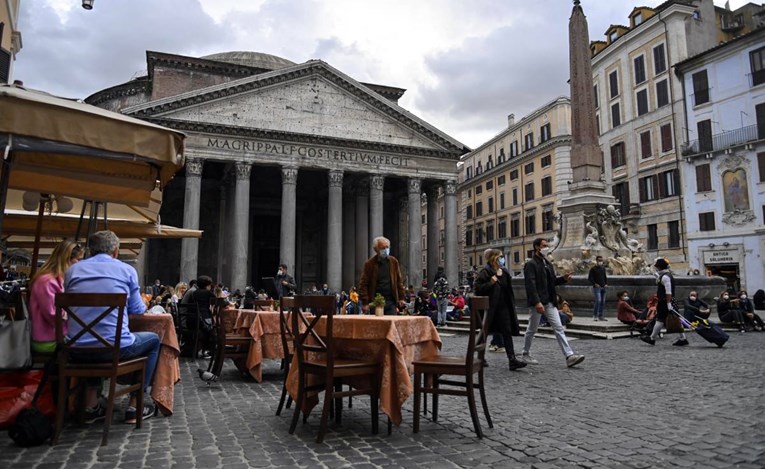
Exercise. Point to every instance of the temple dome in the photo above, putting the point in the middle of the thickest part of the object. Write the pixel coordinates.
(251, 59)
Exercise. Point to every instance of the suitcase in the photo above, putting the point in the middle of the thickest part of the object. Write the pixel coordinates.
(711, 332)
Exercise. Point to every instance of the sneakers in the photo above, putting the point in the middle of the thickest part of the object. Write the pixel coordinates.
(680, 343)
(131, 414)
(493, 348)
(500, 350)
(516, 364)
(573, 360)
(648, 340)
(203, 354)
(95, 414)
(528, 359)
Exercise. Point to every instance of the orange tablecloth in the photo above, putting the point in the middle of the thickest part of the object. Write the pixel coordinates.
(395, 341)
(263, 327)
(168, 372)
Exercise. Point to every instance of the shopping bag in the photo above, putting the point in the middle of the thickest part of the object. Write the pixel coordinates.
(15, 335)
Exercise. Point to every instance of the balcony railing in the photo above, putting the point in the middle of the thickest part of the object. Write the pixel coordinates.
(724, 140)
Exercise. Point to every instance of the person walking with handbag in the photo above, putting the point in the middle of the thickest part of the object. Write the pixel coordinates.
(540, 279)
(494, 281)
(665, 291)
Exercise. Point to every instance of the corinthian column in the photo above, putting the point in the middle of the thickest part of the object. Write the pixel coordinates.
(415, 231)
(432, 219)
(241, 225)
(451, 267)
(402, 249)
(349, 241)
(289, 200)
(376, 183)
(363, 246)
(335, 231)
(190, 246)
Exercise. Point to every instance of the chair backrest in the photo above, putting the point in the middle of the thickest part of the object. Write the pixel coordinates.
(479, 314)
(69, 308)
(308, 340)
(285, 306)
(263, 305)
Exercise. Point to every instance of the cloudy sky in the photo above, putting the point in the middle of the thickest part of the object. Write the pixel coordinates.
(465, 64)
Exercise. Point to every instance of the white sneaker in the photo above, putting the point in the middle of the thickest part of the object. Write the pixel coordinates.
(492, 348)
(500, 350)
(574, 360)
(526, 358)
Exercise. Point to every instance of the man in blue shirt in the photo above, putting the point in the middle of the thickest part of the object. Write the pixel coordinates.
(102, 272)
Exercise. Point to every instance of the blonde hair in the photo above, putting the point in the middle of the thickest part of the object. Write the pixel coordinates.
(59, 259)
(491, 255)
(180, 285)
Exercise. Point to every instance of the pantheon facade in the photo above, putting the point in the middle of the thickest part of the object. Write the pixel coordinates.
(290, 163)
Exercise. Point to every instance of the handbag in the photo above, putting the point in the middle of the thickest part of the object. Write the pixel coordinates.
(15, 334)
(673, 324)
(33, 427)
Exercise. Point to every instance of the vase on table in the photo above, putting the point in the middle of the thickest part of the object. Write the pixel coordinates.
(379, 310)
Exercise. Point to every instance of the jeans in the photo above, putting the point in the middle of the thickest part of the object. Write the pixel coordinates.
(600, 301)
(442, 304)
(551, 313)
(146, 344)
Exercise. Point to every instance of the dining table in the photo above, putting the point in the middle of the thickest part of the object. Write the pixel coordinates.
(168, 371)
(393, 341)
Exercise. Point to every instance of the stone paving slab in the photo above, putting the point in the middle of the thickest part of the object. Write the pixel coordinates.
(628, 405)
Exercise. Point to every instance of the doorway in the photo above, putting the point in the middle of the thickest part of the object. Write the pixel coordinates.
(730, 272)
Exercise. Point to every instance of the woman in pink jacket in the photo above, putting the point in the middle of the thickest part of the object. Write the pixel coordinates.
(48, 281)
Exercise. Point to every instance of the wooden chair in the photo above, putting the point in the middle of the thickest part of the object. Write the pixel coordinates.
(316, 357)
(472, 363)
(187, 327)
(233, 346)
(263, 305)
(288, 341)
(68, 306)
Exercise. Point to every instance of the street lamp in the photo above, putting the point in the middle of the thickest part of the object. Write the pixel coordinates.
(87, 4)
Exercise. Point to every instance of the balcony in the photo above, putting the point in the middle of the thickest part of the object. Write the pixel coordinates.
(724, 140)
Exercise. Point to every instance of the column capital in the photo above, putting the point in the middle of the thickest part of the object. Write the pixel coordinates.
(376, 182)
(414, 186)
(243, 171)
(450, 187)
(362, 187)
(289, 175)
(194, 167)
(335, 178)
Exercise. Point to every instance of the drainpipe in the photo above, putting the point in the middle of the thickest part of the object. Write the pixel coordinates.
(680, 197)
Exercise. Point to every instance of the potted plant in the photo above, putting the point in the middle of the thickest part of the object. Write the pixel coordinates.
(379, 303)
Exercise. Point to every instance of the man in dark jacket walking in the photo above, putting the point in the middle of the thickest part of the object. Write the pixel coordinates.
(599, 280)
(540, 279)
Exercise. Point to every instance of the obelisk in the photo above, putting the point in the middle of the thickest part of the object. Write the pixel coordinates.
(587, 193)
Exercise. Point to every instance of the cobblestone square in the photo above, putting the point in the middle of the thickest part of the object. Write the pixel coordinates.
(627, 405)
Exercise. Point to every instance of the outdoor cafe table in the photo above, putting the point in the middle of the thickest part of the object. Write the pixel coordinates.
(263, 327)
(394, 341)
(168, 372)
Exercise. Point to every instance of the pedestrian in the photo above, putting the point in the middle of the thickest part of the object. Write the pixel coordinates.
(694, 308)
(156, 289)
(381, 274)
(751, 318)
(540, 279)
(494, 281)
(441, 289)
(665, 292)
(599, 280)
(284, 283)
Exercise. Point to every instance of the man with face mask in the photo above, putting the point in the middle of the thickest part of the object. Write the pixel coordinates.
(695, 308)
(599, 280)
(284, 283)
(540, 279)
(381, 274)
(665, 291)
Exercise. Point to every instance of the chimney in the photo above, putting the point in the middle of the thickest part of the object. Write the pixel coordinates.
(510, 120)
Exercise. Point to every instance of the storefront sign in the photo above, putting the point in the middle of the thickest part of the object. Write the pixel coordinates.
(722, 256)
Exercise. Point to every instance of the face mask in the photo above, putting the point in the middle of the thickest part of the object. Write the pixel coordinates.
(626, 298)
(725, 297)
(385, 252)
(600, 262)
(743, 297)
(502, 261)
(545, 251)
(279, 273)
(693, 298)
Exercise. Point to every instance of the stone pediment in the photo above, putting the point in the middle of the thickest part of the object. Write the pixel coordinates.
(310, 99)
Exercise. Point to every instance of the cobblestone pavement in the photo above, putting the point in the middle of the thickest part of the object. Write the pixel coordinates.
(628, 405)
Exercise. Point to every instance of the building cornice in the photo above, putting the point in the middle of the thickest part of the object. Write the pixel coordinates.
(216, 67)
(131, 88)
(308, 139)
(311, 68)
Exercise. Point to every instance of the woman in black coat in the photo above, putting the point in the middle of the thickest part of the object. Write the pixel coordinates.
(494, 281)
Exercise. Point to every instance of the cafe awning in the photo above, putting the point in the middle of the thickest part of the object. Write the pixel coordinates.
(66, 147)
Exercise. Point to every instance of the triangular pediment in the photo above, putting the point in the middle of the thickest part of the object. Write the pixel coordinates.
(310, 99)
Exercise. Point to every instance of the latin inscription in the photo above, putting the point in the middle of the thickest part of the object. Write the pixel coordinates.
(306, 152)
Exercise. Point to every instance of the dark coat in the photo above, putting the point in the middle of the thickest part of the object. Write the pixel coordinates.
(484, 287)
(540, 279)
(368, 280)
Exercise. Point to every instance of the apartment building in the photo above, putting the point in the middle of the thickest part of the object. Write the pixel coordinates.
(509, 187)
(10, 38)
(724, 159)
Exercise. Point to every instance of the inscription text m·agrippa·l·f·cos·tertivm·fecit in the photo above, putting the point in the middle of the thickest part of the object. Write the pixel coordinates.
(308, 152)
